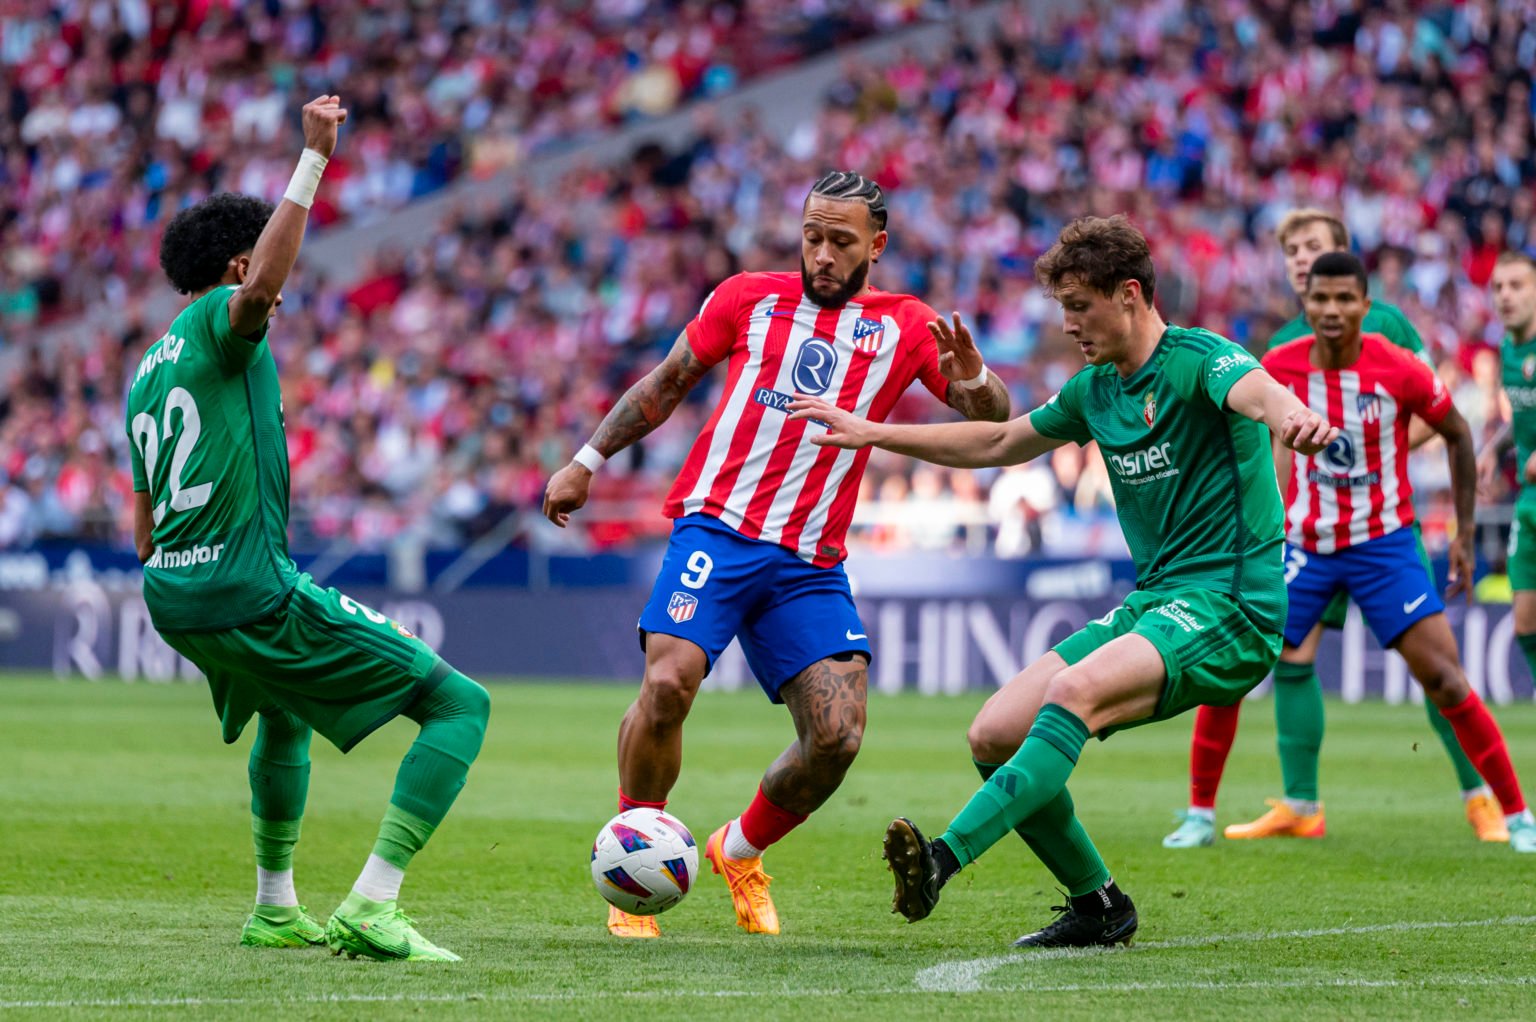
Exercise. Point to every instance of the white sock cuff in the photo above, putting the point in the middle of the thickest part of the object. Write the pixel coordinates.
(736, 845)
(275, 888)
(379, 880)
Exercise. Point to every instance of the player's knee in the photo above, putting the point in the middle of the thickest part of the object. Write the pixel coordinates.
(282, 726)
(476, 702)
(1443, 682)
(667, 693)
(834, 749)
(992, 739)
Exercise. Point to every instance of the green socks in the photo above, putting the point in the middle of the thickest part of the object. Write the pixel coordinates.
(452, 718)
(401, 836)
(279, 775)
(1299, 723)
(1058, 839)
(1022, 787)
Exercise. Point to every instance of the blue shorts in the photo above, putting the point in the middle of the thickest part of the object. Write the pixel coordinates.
(716, 585)
(1385, 576)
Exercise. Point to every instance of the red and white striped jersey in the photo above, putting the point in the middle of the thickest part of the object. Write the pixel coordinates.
(753, 467)
(1358, 488)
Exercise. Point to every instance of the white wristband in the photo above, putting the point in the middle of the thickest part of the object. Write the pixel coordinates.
(589, 458)
(306, 178)
(979, 381)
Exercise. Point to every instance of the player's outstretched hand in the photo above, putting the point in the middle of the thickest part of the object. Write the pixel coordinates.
(322, 118)
(1459, 577)
(1306, 432)
(844, 429)
(566, 492)
(1529, 471)
(959, 358)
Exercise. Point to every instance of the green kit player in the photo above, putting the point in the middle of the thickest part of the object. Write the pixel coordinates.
(210, 471)
(1514, 299)
(1181, 416)
(1305, 234)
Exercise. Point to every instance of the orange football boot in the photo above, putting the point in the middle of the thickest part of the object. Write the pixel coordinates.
(1280, 821)
(1485, 816)
(748, 883)
(622, 924)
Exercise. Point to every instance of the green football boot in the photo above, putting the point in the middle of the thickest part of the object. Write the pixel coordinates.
(1194, 831)
(383, 932)
(281, 926)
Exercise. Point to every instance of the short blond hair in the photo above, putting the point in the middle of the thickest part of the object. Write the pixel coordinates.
(1515, 256)
(1299, 218)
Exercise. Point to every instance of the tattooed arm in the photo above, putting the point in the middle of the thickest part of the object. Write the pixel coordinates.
(988, 403)
(960, 360)
(643, 407)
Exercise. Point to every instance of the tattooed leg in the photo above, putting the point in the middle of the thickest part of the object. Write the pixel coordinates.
(827, 702)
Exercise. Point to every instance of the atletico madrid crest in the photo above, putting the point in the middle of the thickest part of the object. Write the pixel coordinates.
(1370, 407)
(867, 335)
(682, 607)
(1149, 411)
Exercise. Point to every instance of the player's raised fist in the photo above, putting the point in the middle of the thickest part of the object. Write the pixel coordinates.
(566, 492)
(322, 117)
(1307, 432)
(844, 429)
(959, 358)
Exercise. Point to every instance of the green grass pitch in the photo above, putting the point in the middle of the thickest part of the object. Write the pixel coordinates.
(126, 871)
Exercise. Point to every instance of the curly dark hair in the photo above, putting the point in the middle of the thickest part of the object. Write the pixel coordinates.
(1101, 253)
(200, 241)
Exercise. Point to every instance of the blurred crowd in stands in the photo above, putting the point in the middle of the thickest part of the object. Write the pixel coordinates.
(431, 400)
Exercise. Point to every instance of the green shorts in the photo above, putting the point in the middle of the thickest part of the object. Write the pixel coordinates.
(1522, 549)
(342, 668)
(1213, 652)
(1338, 607)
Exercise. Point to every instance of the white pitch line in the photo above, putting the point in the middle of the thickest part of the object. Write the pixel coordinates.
(963, 977)
(1452, 982)
(966, 976)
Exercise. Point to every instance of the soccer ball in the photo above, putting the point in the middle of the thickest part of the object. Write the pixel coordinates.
(644, 861)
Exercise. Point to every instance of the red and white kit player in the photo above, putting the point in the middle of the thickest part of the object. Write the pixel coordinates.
(1349, 526)
(761, 515)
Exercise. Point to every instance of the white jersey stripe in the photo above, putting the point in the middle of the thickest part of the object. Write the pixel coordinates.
(879, 372)
(788, 494)
(1359, 492)
(1391, 520)
(772, 421)
(735, 404)
(1316, 399)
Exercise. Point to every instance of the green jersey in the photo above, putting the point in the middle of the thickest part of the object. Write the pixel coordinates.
(1381, 318)
(205, 421)
(1194, 483)
(1519, 369)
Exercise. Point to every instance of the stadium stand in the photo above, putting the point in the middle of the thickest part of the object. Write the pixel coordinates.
(432, 398)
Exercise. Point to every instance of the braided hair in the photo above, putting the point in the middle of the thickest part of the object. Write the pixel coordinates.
(847, 185)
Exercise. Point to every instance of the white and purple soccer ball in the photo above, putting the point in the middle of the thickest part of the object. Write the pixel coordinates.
(644, 861)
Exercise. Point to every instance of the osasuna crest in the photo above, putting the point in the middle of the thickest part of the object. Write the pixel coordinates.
(867, 335)
(1370, 407)
(1528, 367)
(1149, 411)
(682, 607)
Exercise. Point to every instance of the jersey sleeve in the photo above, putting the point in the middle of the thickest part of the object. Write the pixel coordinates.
(717, 327)
(1221, 368)
(233, 352)
(1427, 396)
(1061, 418)
(917, 320)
